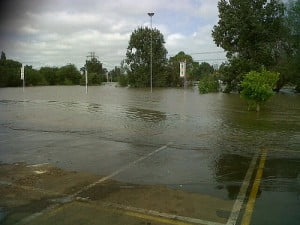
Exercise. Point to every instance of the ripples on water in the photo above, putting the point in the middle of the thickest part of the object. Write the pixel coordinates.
(189, 120)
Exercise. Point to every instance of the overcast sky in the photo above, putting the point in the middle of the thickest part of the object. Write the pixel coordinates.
(57, 32)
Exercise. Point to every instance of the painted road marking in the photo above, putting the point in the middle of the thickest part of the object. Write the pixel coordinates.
(250, 204)
(168, 218)
(31, 217)
(119, 170)
(243, 191)
(37, 214)
(38, 165)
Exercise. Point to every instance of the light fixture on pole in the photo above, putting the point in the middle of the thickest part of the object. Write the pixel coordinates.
(151, 14)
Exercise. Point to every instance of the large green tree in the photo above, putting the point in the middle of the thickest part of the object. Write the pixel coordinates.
(253, 34)
(9, 72)
(33, 77)
(68, 75)
(138, 58)
(202, 70)
(172, 70)
(95, 70)
(50, 75)
(293, 22)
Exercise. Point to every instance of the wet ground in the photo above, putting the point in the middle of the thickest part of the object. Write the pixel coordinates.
(173, 152)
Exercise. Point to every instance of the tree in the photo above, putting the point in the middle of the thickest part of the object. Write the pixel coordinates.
(33, 77)
(138, 58)
(94, 66)
(120, 74)
(253, 34)
(9, 72)
(172, 71)
(258, 87)
(293, 23)
(201, 70)
(208, 83)
(50, 75)
(96, 70)
(3, 57)
(114, 73)
(68, 75)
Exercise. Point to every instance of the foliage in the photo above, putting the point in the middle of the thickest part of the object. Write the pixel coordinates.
(123, 80)
(293, 22)
(172, 78)
(204, 69)
(94, 66)
(232, 72)
(138, 58)
(253, 33)
(207, 84)
(93, 79)
(50, 75)
(68, 75)
(258, 87)
(9, 72)
(33, 77)
(3, 57)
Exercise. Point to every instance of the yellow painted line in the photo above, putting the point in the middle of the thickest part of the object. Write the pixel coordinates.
(156, 214)
(252, 197)
(238, 204)
(129, 213)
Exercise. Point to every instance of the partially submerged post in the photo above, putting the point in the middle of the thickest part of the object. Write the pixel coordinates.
(23, 76)
(182, 74)
(86, 81)
(151, 14)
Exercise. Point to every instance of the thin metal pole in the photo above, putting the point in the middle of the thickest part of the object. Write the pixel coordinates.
(151, 55)
(24, 83)
(86, 81)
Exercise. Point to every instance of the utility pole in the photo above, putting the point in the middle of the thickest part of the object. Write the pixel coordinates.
(86, 81)
(151, 15)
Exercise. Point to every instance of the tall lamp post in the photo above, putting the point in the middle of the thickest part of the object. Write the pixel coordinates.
(151, 14)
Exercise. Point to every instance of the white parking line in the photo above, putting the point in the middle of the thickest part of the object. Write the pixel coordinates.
(242, 194)
(51, 207)
(119, 171)
(38, 165)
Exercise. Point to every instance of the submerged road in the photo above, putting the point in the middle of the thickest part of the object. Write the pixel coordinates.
(203, 144)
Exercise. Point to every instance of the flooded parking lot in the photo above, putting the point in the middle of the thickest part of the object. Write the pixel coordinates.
(169, 157)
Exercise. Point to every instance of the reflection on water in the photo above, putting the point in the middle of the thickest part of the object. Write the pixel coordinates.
(145, 114)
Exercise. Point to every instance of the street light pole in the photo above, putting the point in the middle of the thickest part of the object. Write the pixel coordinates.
(151, 14)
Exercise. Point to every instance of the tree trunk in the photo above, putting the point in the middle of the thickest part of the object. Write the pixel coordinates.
(257, 107)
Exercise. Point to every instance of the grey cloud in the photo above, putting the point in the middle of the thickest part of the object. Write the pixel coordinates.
(56, 32)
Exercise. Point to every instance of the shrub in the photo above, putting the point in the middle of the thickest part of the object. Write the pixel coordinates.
(123, 80)
(258, 87)
(208, 84)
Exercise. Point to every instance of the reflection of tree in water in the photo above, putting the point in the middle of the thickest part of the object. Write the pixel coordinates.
(282, 174)
(145, 114)
(230, 171)
(278, 175)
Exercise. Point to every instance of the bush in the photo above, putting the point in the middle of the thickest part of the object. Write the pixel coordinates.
(208, 84)
(123, 80)
(258, 87)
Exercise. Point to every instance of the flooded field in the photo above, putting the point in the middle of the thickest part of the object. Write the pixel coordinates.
(168, 157)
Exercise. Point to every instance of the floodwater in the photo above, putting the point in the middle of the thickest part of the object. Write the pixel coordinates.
(210, 139)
